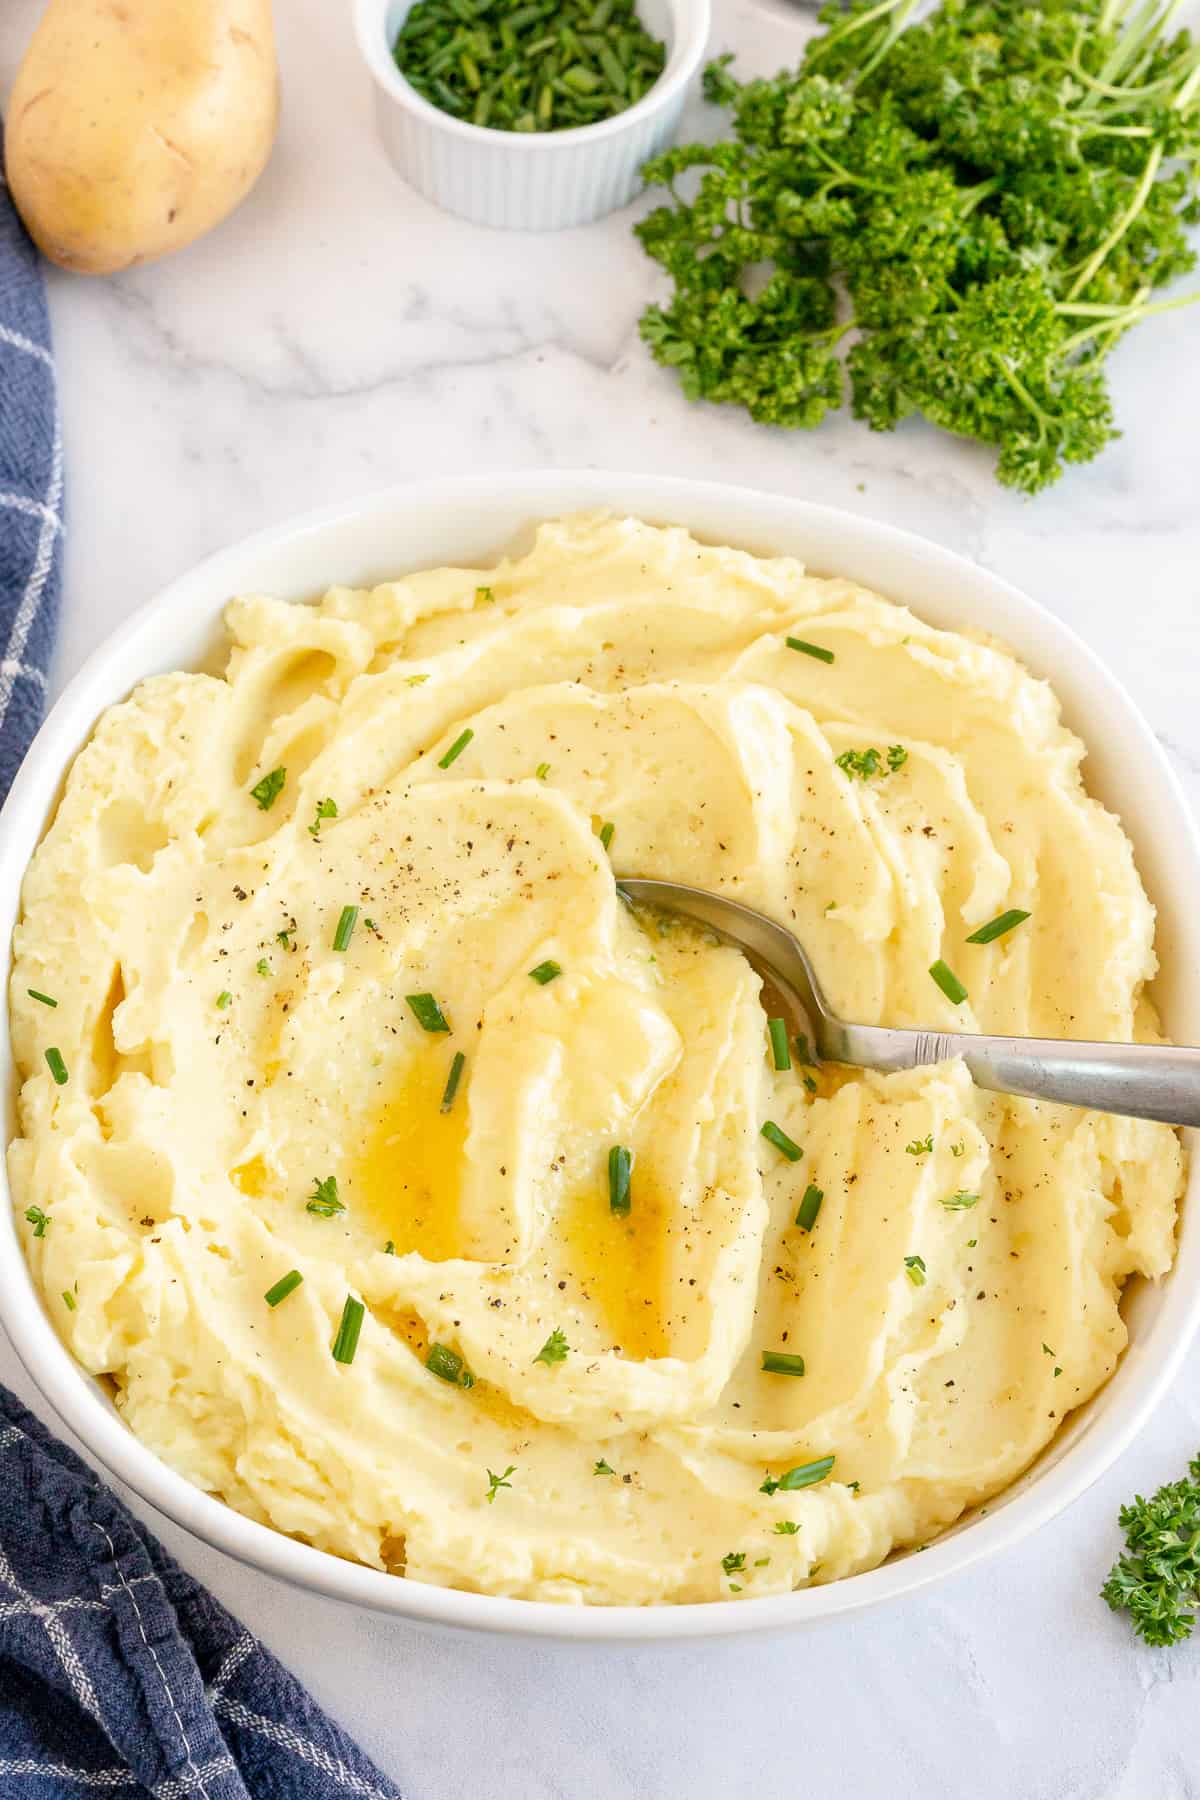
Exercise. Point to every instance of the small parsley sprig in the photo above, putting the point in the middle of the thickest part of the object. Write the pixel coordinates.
(1157, 1579)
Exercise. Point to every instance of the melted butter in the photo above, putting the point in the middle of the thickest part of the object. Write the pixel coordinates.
(251, 1177)
(483, 1398)
(410, 1176)
(618, 1264)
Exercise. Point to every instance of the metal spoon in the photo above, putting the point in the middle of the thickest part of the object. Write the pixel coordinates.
(1144, 1081)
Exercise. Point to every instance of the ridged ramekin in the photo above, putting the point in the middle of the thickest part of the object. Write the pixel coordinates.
(529, 181)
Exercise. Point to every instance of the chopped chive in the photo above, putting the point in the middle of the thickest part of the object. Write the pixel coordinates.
(810, 1206)
(44, 998)
(960, 1202)
(948, 981)
(545, 971)
(802, 1476)
(606, 833)
(345, 928)
(452, 1080)
(346, 1342)
(555, 1349)
(267, 791)
(776, 1362)
(803, 1053)
(1005, 921)
(68, 1299)
(428, 1013)
(777, 1032)
(496, 1482)
(920, 1146)
(224, 1000)
(287, 1284)
(542, 770)
(38, 1219)
(775, 1134)
(57, 1066)
(456, 749)
(916, 1270)
(324, 1201)
(821, 654)
(620, 1184)
(449, 1366)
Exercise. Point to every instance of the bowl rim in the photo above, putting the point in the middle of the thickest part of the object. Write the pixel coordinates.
(692, 20)
(1113, 1417)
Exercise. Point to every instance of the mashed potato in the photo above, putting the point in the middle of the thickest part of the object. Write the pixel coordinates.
(548, 1397)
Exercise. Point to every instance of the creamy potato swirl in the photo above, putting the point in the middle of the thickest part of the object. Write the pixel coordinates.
(956, 1294)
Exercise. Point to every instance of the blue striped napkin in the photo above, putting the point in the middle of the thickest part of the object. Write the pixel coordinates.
(119, 1674)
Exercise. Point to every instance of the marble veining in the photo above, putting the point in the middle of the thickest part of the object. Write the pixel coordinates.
(339, 334)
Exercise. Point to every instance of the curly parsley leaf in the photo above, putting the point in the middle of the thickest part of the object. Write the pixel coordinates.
(1157, 1580)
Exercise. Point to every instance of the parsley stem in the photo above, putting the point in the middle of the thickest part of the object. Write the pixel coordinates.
(1102, 251)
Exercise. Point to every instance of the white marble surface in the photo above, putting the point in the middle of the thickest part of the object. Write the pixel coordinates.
(338, 334)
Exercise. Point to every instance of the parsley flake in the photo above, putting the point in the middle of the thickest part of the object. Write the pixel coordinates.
(268, 790)
(555, 1349)
(324, 1201)
(496, 1482)
(326, 809)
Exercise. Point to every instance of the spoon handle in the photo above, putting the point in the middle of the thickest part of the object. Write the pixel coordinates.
(1145, 1081)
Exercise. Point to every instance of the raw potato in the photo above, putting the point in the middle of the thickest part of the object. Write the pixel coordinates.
(135, 126)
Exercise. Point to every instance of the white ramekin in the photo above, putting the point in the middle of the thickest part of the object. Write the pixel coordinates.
(469, 520)
(535, 181)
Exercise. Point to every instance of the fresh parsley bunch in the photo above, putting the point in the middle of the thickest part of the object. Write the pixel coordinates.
(983, 201)
(1157, 1580)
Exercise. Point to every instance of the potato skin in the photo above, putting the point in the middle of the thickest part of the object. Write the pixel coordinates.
(135, 126)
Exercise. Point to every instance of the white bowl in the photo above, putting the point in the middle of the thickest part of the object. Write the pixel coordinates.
(469, 520)
(538, 180)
